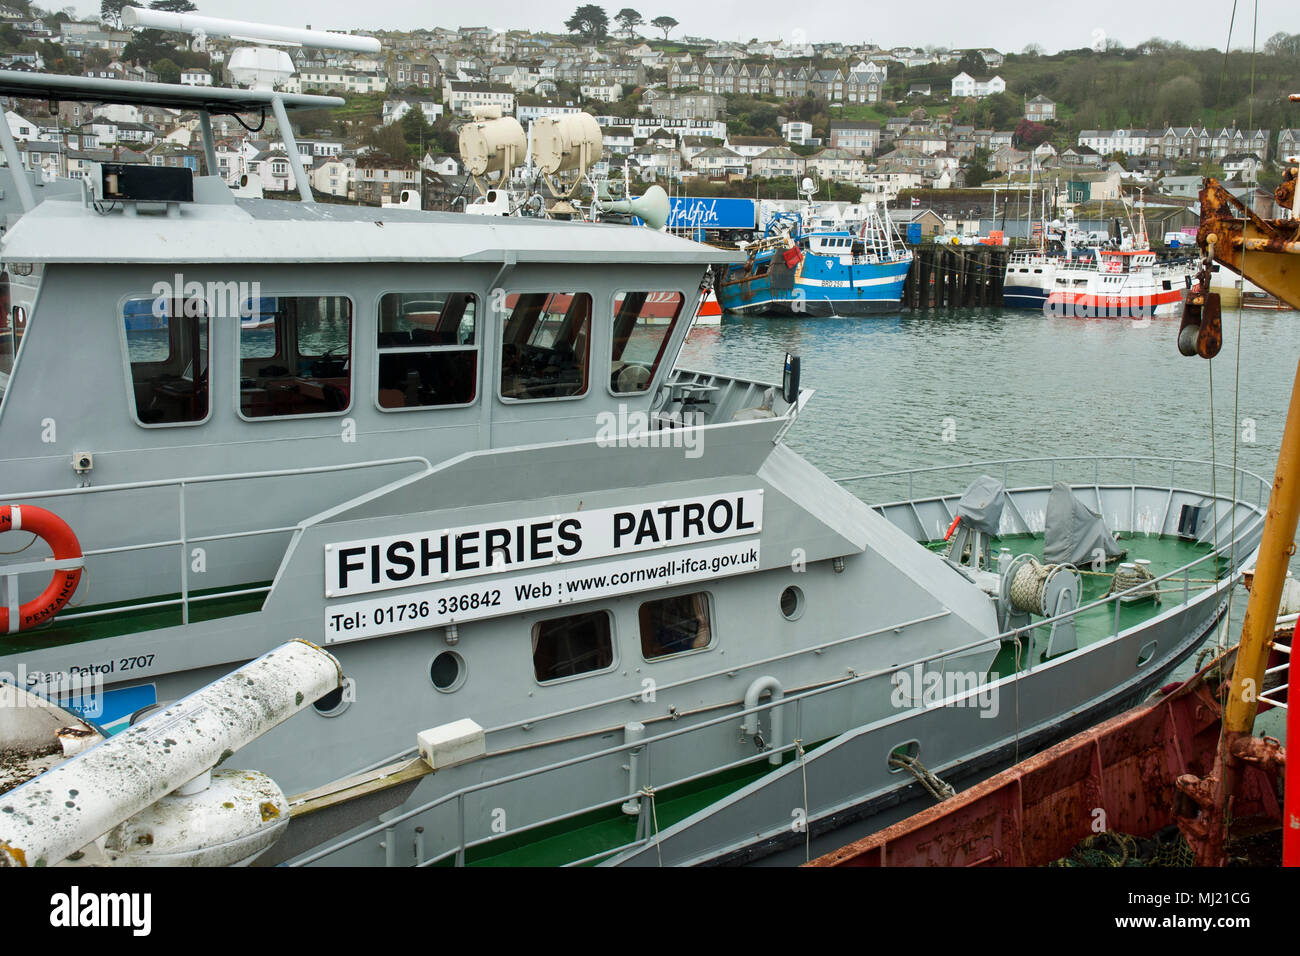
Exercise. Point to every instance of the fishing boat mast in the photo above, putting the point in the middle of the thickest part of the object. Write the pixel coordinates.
(1263, 251)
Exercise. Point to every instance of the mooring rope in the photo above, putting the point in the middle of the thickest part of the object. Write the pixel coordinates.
(936, 787)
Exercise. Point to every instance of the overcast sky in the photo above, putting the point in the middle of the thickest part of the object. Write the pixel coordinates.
(951, 23)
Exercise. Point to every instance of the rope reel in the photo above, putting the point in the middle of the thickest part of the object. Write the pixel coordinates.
(1131, 574)
(1035, 587)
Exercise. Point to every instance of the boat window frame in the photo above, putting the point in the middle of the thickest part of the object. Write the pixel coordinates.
(688, 591)
(546, 614)
(238, 358)
(129, 378)
(659, 358)
(498, 338)
(480, 310)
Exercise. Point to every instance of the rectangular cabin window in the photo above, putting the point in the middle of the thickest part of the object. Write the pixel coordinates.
(573, 645)
(167, 349)
(545, 345)
(295, 356)
(428, 349)
(643, 324)
(675, 624)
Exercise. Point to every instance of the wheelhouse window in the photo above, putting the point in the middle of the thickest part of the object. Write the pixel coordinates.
(545, 345)
(573, 645)
(428, 349)
(643, 324)
(295, 356)
(167, 350)
(675, 624)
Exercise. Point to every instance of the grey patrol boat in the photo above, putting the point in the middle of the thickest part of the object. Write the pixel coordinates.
(590, 607)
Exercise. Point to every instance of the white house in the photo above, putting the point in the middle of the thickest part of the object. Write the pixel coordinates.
(604, 92)
(195, 77)
(464, 97)
(963, 84)
(397, 107)
(526, 114)
(442, 165)
(334, 177)
(797, 132)
(23, 129)
(273, 168)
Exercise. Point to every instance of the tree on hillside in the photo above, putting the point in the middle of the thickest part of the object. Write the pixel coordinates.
(173, 6)
(629, 19)
(387, 140)
(1029, 134)
(997, 111)
(1283, 44)
(167, 70)
(110, 11)
(1178, 100)
(667, 24)
(1032, 49)
(147, 46)
(977, 173)
(973, 64)
(589, 21)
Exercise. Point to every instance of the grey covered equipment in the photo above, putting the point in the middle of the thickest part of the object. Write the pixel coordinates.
(980, 507)
(1074, 532)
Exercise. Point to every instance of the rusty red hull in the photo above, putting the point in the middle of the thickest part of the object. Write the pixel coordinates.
(1118, 776)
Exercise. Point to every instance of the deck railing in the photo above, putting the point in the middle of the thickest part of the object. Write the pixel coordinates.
(1126, 473)
(11, 572)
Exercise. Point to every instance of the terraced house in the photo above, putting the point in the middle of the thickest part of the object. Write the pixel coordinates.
(779, 161)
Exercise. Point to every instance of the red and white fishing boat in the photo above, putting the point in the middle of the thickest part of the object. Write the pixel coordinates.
(709, 311)
(1126, 283)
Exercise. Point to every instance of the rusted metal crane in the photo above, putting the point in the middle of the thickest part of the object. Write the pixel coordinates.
(1267, 252)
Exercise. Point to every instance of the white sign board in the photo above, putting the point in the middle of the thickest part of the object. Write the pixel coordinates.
(403, 561)
(438, 607)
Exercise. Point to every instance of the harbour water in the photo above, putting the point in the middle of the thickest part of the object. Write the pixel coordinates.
(937, 387)
(944, 387)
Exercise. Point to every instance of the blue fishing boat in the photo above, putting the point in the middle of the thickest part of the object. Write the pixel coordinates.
(820, 266)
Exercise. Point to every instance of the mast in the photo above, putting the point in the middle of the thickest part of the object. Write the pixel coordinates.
(1227, 233)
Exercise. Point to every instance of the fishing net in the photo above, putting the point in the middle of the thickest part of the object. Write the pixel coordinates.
(1165, 848)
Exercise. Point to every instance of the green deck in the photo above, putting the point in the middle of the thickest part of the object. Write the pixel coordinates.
(1166, 554)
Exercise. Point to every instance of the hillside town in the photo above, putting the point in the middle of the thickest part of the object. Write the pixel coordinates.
(689, 113)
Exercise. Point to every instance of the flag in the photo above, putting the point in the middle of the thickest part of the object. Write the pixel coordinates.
(915, 202)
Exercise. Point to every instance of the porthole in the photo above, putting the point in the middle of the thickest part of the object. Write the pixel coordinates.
(1148, 651)
(338, 700)
(447, 672)
(792, 603)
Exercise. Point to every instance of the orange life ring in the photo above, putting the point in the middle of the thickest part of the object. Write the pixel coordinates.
(952, 527)
(56, 533)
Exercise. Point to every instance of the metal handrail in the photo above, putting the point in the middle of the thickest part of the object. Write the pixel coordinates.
(795, 699)
(9, 574)
(1004, 462)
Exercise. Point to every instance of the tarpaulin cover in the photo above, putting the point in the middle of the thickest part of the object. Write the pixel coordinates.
(1074, 532)
(980, 508)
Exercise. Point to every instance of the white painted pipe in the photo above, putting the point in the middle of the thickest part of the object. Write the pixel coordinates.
(246, 30)
(633, 732)
(760, 687)
(66, 808)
